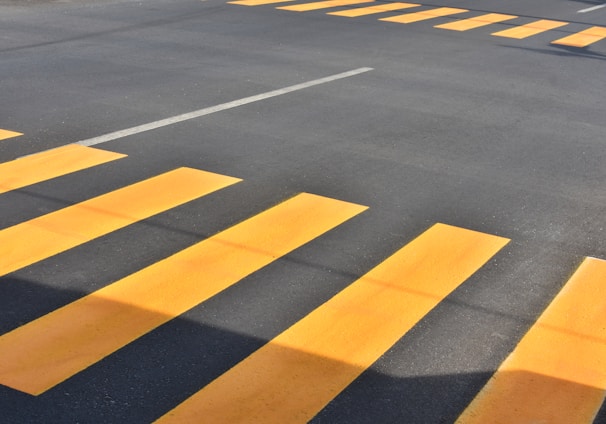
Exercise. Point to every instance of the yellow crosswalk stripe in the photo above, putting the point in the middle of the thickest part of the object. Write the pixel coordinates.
(51, 164)
(408, 18)
(4, 134)
(530, 29)
(45, 352)
(362, 11)
(258, 2)
(477, 22)
(557, 373)
(295, 375)
(580, 39)
(305, 7)
(32, 241)
(583, 38)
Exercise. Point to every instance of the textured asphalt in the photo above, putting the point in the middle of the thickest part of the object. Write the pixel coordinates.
(496, 135)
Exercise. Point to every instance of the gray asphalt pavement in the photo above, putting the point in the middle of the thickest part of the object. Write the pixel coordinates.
(499, 135)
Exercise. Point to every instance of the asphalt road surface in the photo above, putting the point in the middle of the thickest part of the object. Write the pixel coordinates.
(203, 246)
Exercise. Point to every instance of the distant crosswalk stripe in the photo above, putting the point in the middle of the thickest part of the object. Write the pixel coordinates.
(258, 2)
(37, 239)
(362, 11)
(529, 29)
(557, 373)
(478, 21)
(50, 164)
(408, 18)
(4, 134)
(290, 379)
(322, 5)
(45, 352)
(583, 38)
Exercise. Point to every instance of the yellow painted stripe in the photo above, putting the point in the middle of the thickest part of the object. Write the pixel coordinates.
(31, 241)
(4, 134)
(290, 379)
(362, 11)
(530, 29)
(478, 21)
(51, 164)
(583, 38)
(45, 352)
(257, 2)
(322, 5)
(422, 16)
(557, 373)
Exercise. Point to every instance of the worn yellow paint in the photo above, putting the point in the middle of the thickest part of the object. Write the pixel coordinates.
(476, 22)
(362, 11)
(290, 379)
(583, 38)
(37, 239)
(408, 18)
(557, 373)
(4, 134)
(530, 29)
(322, 5)
(50, 164)
(258, 2)
(45, 352)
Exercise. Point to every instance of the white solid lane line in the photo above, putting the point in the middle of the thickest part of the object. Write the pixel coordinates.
(591, 9)
(217, 108)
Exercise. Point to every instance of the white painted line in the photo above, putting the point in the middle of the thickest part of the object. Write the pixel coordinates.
(218, 108)
(591, 9)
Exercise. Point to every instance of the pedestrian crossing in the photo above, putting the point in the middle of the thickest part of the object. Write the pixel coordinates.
(556, 374)
(583, 38)
(137, 304)
(371, 10)
(480, 21)
(4, 134)
(305, 7)
(51, 164)
(69, 227)
(528, 30)
(292, 377)
(409, 18)
(353, 328)
(459, 21)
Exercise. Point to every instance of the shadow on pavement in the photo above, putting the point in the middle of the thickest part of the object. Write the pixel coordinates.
(564, 51)
(147, 378)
